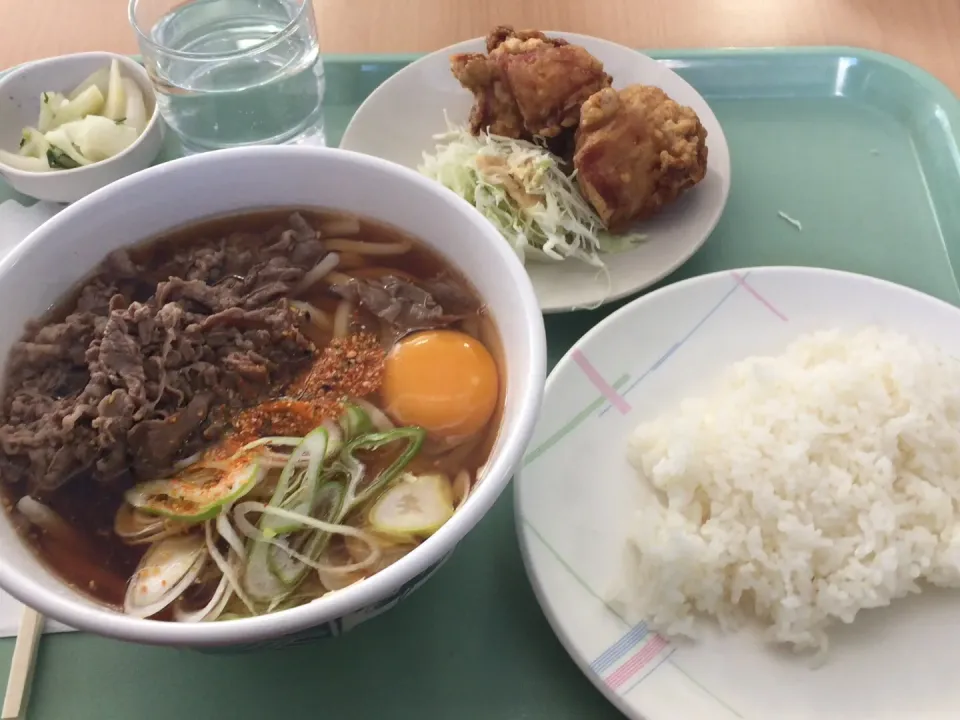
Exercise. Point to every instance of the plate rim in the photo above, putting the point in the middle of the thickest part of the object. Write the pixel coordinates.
(724, 171)
(557, 625)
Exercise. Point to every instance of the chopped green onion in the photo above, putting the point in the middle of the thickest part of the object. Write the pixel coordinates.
(258, 580)
(165, 572)
(221, 595)
(297, 488)
(356, 471)
(285, 544)
(311, 543)
(226, 567)
(415, 505)
(282, 441)
(379, 421)
(355, 420)
(189, 501)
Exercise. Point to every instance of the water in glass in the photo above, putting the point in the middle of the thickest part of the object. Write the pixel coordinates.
(239, 72)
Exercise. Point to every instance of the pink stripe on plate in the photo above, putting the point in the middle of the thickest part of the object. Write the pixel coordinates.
(605, 388)
(749, 288)
(635, 664)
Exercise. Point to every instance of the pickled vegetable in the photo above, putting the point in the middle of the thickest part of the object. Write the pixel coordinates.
(97, 120)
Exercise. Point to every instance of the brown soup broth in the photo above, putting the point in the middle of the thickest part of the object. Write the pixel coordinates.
(101, 564)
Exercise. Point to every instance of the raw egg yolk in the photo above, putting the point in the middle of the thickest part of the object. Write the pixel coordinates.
(442, 380)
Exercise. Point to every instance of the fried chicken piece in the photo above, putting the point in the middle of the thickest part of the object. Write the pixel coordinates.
(502, 33)
(528, 84)
(494, 108)
(637, 151)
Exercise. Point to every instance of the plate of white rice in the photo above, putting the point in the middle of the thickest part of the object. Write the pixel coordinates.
(742, 500)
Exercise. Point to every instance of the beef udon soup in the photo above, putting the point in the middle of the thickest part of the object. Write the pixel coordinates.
(246, 414)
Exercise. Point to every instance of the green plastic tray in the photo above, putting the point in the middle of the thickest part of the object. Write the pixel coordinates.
(861, 148)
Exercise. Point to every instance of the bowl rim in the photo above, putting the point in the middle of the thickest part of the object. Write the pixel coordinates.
(335, 605)
(129, 64)
(144, 37)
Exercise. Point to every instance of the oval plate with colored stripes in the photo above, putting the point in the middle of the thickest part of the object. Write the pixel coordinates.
(576, 497)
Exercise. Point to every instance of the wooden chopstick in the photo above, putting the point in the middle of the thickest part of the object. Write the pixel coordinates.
(21, 666)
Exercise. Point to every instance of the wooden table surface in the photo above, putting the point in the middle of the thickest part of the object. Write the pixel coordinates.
(925, 32)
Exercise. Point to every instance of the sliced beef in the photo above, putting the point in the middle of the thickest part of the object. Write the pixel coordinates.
(146, 362)
(157, 443)
(407, 306)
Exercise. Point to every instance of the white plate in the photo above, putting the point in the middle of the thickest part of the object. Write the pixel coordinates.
(574, 502)
(400, 118)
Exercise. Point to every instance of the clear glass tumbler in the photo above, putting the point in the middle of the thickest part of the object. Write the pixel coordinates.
(234, 72)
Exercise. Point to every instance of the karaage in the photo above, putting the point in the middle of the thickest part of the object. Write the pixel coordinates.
(637, 150)
(528, 84)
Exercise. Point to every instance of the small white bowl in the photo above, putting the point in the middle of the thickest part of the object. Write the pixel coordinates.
(20, 92)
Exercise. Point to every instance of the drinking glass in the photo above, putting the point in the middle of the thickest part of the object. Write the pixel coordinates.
(233, 72)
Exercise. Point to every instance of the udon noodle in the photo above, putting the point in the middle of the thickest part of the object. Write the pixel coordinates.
(246, 423)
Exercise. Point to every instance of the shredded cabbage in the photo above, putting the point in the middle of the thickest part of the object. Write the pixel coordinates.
(520, 188)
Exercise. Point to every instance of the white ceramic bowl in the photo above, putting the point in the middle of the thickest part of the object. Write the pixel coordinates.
(20, 92)
(66, 248)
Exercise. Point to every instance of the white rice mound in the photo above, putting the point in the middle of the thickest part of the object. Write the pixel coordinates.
(807, 487)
